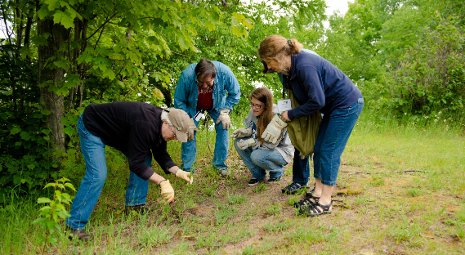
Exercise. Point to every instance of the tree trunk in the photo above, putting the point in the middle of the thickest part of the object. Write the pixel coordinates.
(51, 78)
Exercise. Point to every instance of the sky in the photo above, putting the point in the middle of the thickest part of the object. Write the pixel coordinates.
(337, 5)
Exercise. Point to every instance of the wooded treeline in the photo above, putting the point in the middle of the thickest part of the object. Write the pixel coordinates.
(58, 56)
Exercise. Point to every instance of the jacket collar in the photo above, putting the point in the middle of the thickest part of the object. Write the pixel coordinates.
(293, 71)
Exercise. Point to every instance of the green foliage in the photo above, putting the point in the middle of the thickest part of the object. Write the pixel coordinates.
(62, 12)
(429, 79)
(406, 57)
(55, 210)
(25, 162)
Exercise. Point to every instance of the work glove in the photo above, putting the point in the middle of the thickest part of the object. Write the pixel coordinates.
(187, 176)
(241, 133)
(273, 130)
(246, 143)
(191, 130)
(224, 118)
(167, 191)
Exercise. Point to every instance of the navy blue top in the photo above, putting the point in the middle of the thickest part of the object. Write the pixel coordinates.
(318, 85)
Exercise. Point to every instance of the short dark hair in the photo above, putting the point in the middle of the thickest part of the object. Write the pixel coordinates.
(205, 67)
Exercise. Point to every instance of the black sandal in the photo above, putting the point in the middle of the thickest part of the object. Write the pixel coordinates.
(307, 200)
(293, 188)
(316, 209)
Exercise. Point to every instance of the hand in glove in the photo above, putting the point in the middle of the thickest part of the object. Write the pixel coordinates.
(224, 119)
(167, 192)
(187, 176)
(241, 133)
(191, 131)
(274, 129)
(246, 143)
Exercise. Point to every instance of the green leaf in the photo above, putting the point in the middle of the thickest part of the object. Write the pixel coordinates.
(25, 135)
(70, 186)
(43, 12)
(43, 200)
(62, 63)
(116, 56)
(15, 130)
(64, 214)
(69, 130)
(50, 185)
(66, 197)
(52, 4)
(38, 221)
(62, 18)
(63, 180)
(45, 211)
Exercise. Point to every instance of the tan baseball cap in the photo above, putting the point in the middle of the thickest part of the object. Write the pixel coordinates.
(183, 124)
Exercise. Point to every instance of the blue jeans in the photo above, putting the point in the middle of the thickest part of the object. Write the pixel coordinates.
(300, 169)
(93, 150)
(260, 160)
(332, 138)
(189, 148)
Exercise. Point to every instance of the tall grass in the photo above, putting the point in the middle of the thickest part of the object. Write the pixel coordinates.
(400, 191)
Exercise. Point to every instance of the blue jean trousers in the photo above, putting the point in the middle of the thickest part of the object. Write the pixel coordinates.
(300, 169)
(332, 138)
(189, 148)
(260, 160)
(93, 150)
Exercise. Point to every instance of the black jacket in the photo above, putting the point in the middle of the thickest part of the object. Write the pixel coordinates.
(134, 129)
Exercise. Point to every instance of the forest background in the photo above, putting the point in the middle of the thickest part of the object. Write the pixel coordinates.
(406, 56)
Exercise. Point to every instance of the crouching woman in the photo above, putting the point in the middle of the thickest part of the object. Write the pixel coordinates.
(259, 156)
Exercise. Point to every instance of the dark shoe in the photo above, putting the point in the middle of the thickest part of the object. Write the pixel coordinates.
(78, 233)
(253, 182)
(308, 200)
(292, 188)
(274, 179)
(140, 209)
(316, 209)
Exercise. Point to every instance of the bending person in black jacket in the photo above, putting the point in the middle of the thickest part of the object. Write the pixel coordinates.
(139, 130)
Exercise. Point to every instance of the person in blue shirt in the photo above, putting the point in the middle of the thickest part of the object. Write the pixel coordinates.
(317, 85)
(208, 87)
(258, 155)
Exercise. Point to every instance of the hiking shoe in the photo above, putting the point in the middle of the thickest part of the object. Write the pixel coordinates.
(140, 209)
(274, 179)
(292, 188)
(253, 182)
(78, 233)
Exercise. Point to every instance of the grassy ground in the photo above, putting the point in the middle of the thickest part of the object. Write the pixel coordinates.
(401, 190)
